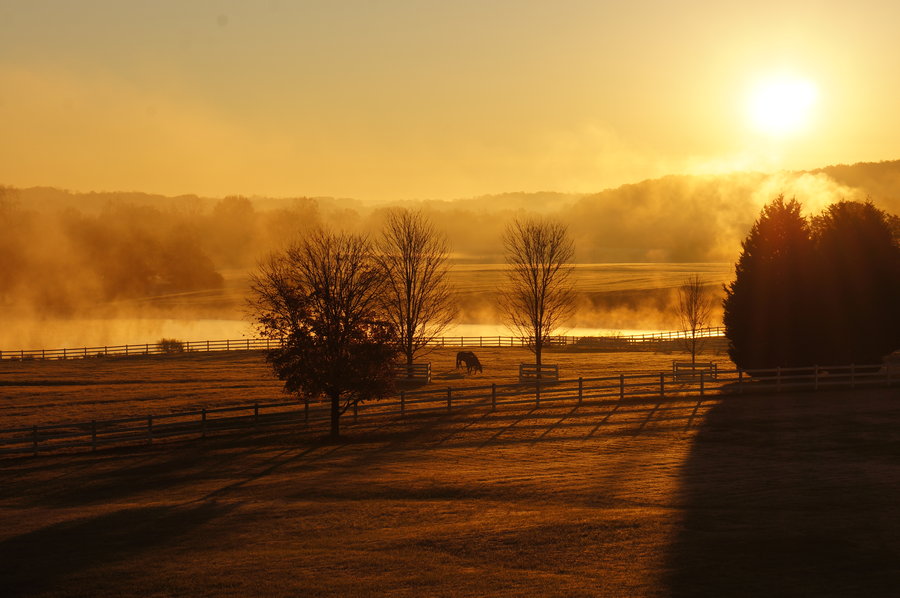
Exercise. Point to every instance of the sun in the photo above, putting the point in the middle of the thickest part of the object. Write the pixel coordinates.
(781, 107)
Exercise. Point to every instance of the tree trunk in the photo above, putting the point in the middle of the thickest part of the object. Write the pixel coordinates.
(335, 418)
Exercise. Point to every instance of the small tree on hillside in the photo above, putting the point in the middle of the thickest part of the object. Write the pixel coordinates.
(858, 283)
(321, 299)
(417, 300)
(539, 295)
(767, 317)
(694, 311)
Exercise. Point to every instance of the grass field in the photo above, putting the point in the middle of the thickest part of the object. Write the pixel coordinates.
(792, 495)
(788, 495)
(47, 392)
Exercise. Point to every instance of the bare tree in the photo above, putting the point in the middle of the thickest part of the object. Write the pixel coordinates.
(418, 300)
(694, 311)
(539, 294)
(321, 298)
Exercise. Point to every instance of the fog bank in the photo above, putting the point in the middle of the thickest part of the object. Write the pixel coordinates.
(108, 257)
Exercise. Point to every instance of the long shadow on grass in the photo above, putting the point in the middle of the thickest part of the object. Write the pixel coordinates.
(792, 495)
(160, 471)
(217, 467)
(35, 562)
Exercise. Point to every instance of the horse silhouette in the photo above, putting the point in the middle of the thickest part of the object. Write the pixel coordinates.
(471, 361)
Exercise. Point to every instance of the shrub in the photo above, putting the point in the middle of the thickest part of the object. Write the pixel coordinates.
(170, 345)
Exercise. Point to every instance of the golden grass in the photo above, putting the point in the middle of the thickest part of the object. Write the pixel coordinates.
(48, 392)
(739, 496)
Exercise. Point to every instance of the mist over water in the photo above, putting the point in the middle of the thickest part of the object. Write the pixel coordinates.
(611, 299)
(82, 269)
(58, 333)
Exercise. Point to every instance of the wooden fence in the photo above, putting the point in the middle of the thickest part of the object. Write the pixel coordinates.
(532, 371)
(416, 371)
(149, 429)
(620, 342)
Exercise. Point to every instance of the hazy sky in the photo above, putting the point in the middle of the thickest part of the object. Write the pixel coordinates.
(412, 99)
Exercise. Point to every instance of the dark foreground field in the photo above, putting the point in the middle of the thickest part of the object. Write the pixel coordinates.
(792, 495)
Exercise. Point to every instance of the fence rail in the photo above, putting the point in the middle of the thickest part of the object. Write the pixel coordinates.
(248, 344)
(151, 428)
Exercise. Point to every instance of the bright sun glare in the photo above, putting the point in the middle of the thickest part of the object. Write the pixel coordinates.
(782, 107)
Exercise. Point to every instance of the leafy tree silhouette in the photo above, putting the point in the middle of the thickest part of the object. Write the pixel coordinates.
(767, 306)
(858, 284)
(321, 298)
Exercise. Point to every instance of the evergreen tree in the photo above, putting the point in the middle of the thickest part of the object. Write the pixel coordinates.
(767, 307)
(858, 284)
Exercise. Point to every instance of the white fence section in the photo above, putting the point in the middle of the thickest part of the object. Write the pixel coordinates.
(610, 390)
(629, 342)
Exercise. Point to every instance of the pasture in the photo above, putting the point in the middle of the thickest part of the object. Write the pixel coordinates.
(59, 391)
(789, 495)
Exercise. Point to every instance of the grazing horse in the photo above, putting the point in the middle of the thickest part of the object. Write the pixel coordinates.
(471, 361)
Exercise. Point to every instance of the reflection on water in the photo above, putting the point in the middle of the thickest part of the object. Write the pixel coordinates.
(488, 330)
(612, 299)
(57, 334)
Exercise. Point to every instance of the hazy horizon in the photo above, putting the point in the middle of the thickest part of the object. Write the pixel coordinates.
(164, 262)
(414, 100)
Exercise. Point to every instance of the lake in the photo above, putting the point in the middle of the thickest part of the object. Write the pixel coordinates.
(612, 299)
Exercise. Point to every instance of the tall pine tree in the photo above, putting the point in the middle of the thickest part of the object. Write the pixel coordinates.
(767, 316)
(858, 284)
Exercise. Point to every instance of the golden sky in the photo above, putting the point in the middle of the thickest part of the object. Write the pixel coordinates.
(436, 99)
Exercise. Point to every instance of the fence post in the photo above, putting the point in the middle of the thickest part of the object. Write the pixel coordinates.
(662, 384)
(493, 397)
(34, 441)
(149, 429)
(93, 435)
(227, 345)
(537, 389)
(64, 353)
(621, 386)
(147, 349)
(701, 383)
(449, 398)
(402, 403)
(203, 423)
(580, 389)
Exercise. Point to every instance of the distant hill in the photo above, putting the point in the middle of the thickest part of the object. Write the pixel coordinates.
(673, 218)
